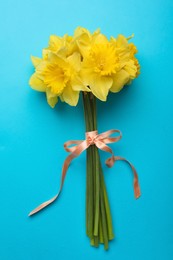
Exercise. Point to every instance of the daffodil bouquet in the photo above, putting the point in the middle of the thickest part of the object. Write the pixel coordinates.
(88, 63)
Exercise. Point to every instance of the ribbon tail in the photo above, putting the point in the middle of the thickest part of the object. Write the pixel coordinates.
(109, 163)
(79, 149)
(48, 202)
(136, 186)
(43, 205)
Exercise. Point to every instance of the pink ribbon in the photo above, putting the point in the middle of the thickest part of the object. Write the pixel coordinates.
(101, 141)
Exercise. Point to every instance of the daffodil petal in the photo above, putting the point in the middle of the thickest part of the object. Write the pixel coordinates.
(55, 42)
(119, 80)
(35, 61)
(45, 53)
(58, 59)
(99, 85)
(122, 41)
(42, 66)
(131, 68)
(100, 39)
(78, 85)
(75, 60)
(61, 98)
(85, 39)
(51, 98)
(62, 52)
(70, 96)
(130, 37)
(36, 83)
(80, 31)
(83, 45)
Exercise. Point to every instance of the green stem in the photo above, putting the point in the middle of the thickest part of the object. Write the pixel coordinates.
(98, 217)
(90, 186)
(104, 222)
(97, 192)
(108, 212)
(90, 192)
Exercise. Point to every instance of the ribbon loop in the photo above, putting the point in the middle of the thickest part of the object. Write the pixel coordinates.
(101, 141)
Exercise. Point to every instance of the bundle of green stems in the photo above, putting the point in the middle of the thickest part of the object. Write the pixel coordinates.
(98, 216)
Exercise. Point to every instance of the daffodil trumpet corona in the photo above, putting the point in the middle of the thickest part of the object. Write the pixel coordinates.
(93, 65)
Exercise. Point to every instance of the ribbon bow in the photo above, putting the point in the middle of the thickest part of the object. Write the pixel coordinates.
(101, 141)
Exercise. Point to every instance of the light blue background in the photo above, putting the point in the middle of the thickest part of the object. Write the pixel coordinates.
(32, 135)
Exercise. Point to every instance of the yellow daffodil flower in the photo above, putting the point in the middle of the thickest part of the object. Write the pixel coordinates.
(58, 77)
(129, 64)
(100, 63)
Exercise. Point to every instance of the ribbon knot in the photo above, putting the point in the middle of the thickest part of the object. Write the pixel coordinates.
(91, 137)
(101, 141)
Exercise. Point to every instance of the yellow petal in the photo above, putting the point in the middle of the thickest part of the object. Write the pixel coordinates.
(100, 39)
(35, 61)
(42, 66)
(61, 98)
(81, 30)
(45, 53)
(75, 60)
(99, 85)
(62, 52)
(130, 37)
(119, 80)
(78, 85)
(55, 43)
(70, 96)
(83, 43)
(96, 32)
(121, 41)
(84, 39)
(131, 69)
(51, 98)
(57, 59)
(36, 83)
